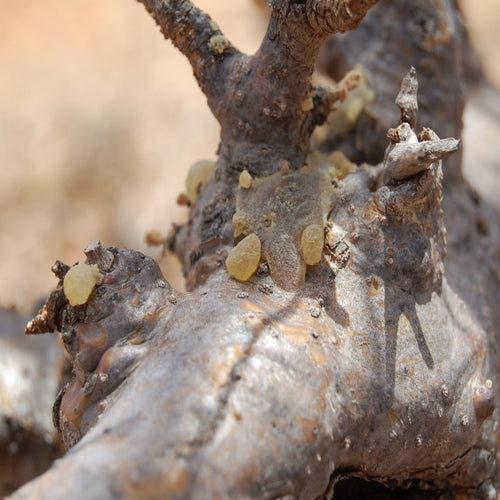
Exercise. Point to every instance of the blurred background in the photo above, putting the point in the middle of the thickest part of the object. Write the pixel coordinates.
(100, 118)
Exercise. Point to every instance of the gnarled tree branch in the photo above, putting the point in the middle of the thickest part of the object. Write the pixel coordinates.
(373, 365)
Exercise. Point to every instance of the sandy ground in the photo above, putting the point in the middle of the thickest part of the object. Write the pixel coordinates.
(100, 118)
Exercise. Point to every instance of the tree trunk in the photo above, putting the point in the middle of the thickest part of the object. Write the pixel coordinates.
(360, 338)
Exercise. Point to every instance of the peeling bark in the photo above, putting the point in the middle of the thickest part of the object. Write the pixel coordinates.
(382, 364)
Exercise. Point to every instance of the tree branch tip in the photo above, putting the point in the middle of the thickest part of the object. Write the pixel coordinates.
(407, 100)
(38, 325)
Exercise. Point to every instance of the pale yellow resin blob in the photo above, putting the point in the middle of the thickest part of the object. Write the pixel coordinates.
(243, 260)
(79, 283)
(219, 43)
(245, 179)
(311, 244)
(198, 174)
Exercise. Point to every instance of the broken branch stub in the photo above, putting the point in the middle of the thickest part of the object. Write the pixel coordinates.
(406, 100)
(408, 154)
(104, 334)
(392, 37)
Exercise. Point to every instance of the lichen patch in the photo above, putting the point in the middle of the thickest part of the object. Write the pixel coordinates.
(245, 179)
(219, 43)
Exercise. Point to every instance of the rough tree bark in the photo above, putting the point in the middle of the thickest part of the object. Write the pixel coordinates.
(378, 362)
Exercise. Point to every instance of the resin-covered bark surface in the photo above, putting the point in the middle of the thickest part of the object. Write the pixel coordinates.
(380, 362)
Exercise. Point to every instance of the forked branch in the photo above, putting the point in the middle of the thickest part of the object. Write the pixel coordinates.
(284, 109)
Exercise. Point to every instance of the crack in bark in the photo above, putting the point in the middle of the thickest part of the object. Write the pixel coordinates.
(229, 388)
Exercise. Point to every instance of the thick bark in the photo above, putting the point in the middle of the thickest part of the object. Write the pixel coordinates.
(381, 362)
